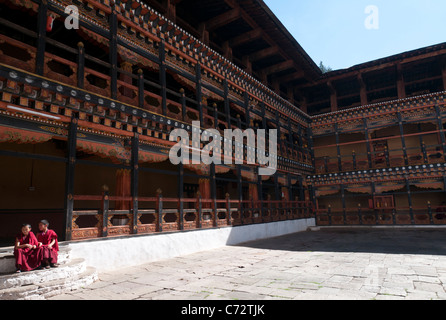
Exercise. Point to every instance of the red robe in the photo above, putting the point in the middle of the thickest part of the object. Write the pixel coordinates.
(27, 259)
(45, 252)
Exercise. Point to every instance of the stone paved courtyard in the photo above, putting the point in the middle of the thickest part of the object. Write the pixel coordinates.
(329, 264)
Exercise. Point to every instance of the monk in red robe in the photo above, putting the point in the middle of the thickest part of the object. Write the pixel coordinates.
(48, 245)
(25, 253)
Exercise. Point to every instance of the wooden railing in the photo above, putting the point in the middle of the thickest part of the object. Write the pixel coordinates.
(428, 215)
(386, 159)
(159, 214)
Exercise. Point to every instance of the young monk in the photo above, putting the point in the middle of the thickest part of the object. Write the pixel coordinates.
(48, 245)
(25, 253)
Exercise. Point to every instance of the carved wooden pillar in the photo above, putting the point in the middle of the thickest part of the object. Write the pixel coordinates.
(285, 194)
(227, 106)
(253, 192)
(162, 76)
(127, 78)
(69, 179)
(247, 111)
(198, 91)
(204, 186)
(123, 188)
(134, 181)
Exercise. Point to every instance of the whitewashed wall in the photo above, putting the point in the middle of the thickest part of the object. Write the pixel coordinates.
(112, 254)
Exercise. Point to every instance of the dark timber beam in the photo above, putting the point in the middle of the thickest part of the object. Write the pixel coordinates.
(362, 90)
(247, 63)
(292, 76)
(279, 67)
(227, 50)
(198, 91)
(290, 95)
(265, 53)
(400, 82)
(170, 6)
(246, 37)
(41, 36)
(223, 19)
(333, 97)
(204, 34)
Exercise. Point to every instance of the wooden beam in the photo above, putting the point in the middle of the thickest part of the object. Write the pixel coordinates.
(247, 63)
(41, 37)
(265, 53)
(400, 82)
(279, 67)
(292, 76)
(290, 94)
(246, 37)
(227, 51)
(304, 104)
(204, 34)
(384, 65)
(276, 86)
(198, 91)
(363, 90)
(263, 77)
(171, 11)
(223, 19)
(250, 21)
(333, 97)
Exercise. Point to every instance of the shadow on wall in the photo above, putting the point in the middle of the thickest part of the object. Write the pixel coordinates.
(248, 233)
(380, 241)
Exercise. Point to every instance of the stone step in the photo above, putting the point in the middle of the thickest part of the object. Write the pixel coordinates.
(7, 260)
(53, 288)
(65, 270)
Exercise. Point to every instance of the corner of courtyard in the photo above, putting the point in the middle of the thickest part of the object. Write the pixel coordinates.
(330, 264)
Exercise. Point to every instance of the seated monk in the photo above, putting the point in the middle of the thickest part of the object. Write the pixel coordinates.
(48, 245)
(25, 253)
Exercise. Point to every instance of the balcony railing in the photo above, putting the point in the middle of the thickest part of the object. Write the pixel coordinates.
(159, 214)
(428, 215)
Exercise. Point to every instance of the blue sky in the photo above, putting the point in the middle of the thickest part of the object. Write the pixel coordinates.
(333, 31)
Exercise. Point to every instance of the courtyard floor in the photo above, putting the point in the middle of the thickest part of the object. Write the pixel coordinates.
(347, 264)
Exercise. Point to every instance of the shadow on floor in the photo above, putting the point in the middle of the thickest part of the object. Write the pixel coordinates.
(392, 241)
